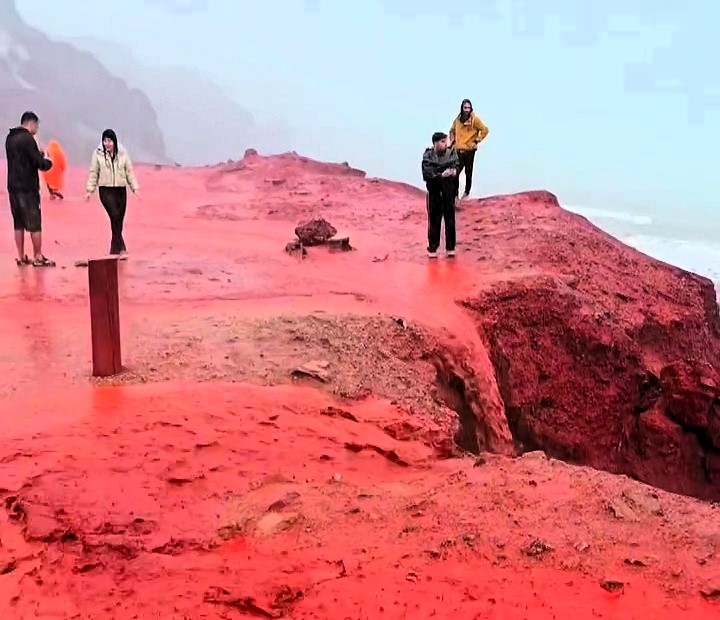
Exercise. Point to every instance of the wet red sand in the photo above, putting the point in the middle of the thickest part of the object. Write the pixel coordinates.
(218, 500)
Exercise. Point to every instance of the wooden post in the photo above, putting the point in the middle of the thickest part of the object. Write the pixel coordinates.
(104, 316)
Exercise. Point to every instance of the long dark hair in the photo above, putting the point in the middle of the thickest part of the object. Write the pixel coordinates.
(109, 133)
(462, 115)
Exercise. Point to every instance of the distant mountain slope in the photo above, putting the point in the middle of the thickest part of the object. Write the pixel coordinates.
(75, 96)
(201, 123)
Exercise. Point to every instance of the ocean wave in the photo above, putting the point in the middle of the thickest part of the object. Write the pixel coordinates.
(698, 257)
(603, 214)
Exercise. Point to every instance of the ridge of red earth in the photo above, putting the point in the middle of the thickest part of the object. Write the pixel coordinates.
(215, 477)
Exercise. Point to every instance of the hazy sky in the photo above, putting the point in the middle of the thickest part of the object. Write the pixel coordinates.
(607, 106)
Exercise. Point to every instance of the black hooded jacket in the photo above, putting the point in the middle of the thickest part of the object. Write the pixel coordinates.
(434, 164)
(24, 160)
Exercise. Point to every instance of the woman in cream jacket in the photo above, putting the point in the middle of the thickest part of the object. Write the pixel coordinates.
(111, 172)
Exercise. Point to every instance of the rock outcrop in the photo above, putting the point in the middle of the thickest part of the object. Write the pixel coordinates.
(603, 356)
(298, 438)
(600, 355)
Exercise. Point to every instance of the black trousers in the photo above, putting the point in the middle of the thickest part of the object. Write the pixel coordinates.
(441, 206)
(467, 163)
(114, 199)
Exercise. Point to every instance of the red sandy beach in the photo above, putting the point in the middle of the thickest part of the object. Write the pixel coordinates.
(480, 443)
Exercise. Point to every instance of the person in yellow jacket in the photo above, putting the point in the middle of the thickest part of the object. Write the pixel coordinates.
(466, 133)
(111, 171)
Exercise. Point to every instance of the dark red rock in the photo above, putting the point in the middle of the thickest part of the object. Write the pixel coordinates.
(712, 467)
(603, 356)
(713, 428)
(688, 393)
(315, 232)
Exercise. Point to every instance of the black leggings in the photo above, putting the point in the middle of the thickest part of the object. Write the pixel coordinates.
(467, 163)
(114, 199)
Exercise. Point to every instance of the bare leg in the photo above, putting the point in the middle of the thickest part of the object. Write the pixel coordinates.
(37, 244)
(20, 243)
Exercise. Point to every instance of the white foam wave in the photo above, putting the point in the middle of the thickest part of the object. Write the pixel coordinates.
(698, 257)
(603, 214)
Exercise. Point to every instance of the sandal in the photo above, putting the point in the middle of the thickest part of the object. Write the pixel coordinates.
(22, 263)
(43, 261)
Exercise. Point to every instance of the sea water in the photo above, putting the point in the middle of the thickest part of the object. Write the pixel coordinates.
(694, 252)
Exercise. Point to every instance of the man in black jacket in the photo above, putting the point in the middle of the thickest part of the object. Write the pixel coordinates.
(440, 166)
(24, 162)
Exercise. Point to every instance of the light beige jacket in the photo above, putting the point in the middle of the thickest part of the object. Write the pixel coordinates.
(106, 172)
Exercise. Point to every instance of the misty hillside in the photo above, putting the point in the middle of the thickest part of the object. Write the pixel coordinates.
(75, 96)
(200, 122)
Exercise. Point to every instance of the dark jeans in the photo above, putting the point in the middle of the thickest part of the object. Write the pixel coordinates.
(467, 163)
(441, 206)
(114, 199)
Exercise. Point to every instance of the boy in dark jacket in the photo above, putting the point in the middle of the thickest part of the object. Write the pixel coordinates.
(24, 162)
(440, 166)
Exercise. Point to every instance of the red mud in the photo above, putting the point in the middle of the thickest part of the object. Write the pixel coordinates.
(199, 495)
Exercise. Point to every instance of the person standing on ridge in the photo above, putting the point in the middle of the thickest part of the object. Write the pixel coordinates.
(440, 167)
(111, 171)
(55, 177)
(24, 162)
(466, 133)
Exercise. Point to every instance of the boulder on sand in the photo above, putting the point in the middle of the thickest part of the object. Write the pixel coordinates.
(315, 232)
